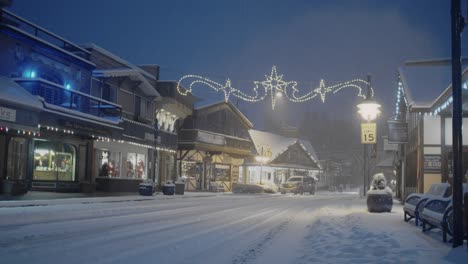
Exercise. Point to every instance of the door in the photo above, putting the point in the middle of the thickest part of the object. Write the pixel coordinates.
(17, 158)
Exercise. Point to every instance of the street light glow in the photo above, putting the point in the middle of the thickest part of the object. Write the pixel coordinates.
(369, 110)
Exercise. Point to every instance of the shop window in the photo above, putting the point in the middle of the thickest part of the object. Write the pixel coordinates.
(135, 166)
(108, 163)
(54, 161)
(17, 159)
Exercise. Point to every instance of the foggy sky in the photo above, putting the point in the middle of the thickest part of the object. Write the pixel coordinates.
(241, 39)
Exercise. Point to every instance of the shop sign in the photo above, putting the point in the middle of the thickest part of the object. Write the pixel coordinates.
(432, 163)
(83, 128)
(8, 114)
(211, 138)
(397, 132)
(368, 133)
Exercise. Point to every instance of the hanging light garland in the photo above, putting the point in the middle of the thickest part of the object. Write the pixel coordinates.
(274, 86)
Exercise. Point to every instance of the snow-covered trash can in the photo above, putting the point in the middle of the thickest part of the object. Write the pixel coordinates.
(146, 188)
(379, 196)
(180, 186)
(168, 188)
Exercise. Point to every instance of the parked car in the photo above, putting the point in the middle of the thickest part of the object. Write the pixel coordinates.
(298, 185)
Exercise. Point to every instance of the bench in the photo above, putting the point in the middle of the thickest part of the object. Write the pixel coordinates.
(438, 213)
(414, 203)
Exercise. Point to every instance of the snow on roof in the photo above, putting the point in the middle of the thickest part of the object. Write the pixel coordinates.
(279, 144)
(145, 86)
(424, 84)
(204, 105)
(118, 59)
(14, 93)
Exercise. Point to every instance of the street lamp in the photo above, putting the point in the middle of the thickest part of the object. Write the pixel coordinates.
(369, 111)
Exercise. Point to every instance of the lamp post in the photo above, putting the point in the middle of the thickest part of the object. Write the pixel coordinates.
(369, 111)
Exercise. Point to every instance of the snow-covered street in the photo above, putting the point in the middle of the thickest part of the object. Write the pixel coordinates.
(326, 228)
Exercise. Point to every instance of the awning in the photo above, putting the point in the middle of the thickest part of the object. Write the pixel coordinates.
(18, 108)
(12, 93)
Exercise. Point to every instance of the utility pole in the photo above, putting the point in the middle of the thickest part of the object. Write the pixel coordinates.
(457, 25)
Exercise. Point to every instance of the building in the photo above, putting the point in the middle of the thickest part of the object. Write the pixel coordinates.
(50, 117)
(277, 158)
(79, 118)
(122, 163)
(213, 144)
(171, 112)
(424, 103)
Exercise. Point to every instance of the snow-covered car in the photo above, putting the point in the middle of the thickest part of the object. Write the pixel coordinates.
(298, 185)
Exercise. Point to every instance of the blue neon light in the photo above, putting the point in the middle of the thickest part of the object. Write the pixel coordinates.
(30, 74)
(68, 86)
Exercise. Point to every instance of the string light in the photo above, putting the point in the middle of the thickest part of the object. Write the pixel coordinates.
(274, 85)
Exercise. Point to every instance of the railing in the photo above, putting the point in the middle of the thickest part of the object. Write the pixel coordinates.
(59, 96)
(202, 136)
(167, 139)
(37, 31)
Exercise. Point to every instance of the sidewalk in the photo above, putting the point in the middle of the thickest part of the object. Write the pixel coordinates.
(51, 198)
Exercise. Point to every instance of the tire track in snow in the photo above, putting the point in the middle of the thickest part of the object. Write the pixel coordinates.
(252, 252)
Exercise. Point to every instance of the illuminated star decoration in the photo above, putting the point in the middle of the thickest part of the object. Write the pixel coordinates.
(322, 90)
(274, 86)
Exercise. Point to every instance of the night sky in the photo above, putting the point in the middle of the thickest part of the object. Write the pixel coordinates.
(241, 39)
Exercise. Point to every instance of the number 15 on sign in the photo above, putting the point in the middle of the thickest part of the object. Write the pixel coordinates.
(368, 133)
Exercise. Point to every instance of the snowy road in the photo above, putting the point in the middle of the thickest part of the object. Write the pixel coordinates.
(221, 229)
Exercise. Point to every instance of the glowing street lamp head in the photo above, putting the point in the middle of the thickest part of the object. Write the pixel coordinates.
(369, 110)
(279, 94)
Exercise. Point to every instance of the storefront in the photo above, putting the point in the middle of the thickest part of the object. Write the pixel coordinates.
(424, 157)
(120, 166)
(213, 145)
(19, 117)
(280, 158)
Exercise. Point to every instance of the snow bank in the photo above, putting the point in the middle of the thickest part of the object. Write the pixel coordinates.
(355, 236)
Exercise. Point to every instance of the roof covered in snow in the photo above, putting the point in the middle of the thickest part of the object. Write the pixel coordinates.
(200, 106)
(278, 144)
(424, 84)
(14, 93)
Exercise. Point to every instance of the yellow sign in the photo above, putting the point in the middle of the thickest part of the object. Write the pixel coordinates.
(368, 133)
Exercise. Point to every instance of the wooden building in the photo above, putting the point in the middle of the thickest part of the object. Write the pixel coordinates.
(213, 144)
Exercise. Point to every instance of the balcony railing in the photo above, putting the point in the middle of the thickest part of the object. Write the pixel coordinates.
(208, 137)
(58, 95)
(167, 139)
(41, 33)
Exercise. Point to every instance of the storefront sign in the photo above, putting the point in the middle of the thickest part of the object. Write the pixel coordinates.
(397, 132)
(7, 114)
(211, 138)
(368, 133)
(84, 128)
(432, 163)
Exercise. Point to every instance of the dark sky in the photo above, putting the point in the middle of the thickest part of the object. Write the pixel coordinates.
(306, 40)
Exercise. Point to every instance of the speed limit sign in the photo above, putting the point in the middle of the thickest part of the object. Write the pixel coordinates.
(368, 133)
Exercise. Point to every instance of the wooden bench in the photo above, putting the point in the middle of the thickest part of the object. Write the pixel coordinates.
(414, 203)
(438, 213)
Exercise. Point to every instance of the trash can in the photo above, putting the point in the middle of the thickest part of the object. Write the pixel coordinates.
(168, 188)
(146, 189)
(180, 186)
